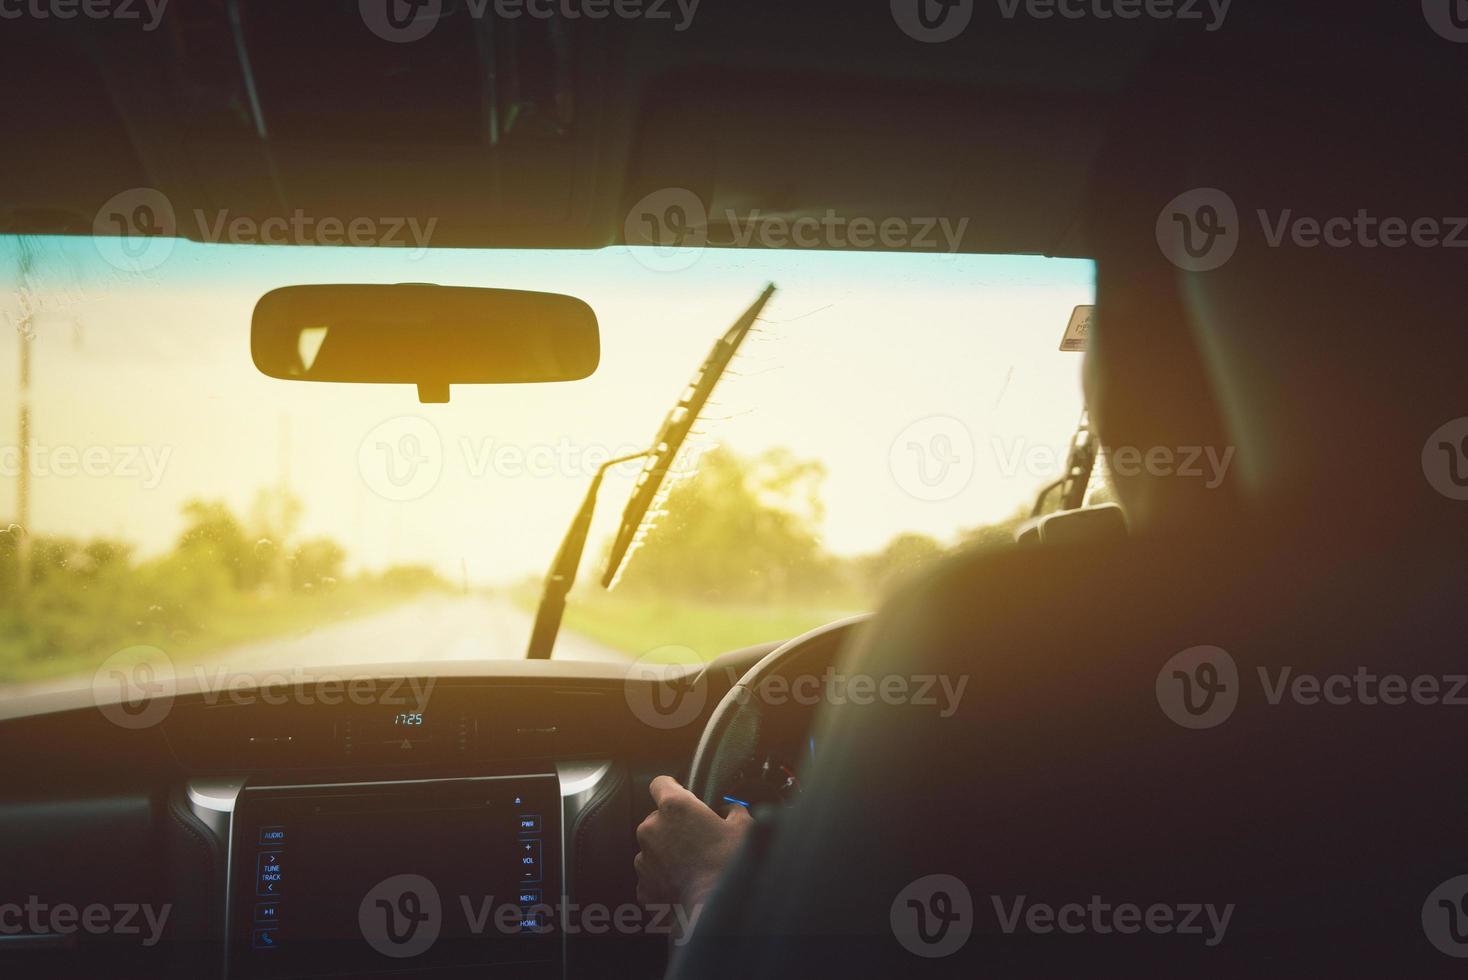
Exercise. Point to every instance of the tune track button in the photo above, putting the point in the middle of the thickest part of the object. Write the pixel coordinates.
(268, 876)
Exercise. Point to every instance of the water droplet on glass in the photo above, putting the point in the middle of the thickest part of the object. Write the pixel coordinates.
(328, 583)
(14, 534)
(264, 548)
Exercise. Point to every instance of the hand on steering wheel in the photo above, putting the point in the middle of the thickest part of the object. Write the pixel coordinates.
(685, 847)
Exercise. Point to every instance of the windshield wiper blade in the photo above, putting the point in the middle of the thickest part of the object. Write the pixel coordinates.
(664, 450)
(676, 426)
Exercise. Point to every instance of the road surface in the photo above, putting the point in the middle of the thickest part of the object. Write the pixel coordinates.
(436, 627)
(433, 628)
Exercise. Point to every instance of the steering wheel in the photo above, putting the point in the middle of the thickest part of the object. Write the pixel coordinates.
(731, 739)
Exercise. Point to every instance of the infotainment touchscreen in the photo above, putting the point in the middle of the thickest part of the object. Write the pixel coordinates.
(439, 877)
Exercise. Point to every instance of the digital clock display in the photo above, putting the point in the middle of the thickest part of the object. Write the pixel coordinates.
(408, 719)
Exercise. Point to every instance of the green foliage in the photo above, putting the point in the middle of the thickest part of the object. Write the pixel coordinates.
(410, 579)
(316, 564)
(737, 530)
(224, 581)
(903, 556)
(214, 537)
(1000, 534)
(747, 531)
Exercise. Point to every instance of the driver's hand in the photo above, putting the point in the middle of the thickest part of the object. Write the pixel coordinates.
(685, 846)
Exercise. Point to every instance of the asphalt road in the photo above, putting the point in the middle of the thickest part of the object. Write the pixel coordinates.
(433, 628)
(436, 627)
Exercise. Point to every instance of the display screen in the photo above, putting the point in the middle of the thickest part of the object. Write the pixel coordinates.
(443, 877)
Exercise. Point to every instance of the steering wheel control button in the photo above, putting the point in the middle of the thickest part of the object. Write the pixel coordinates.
(268, 874)
(267, 913)
(933, 917)
(265, 939)
(530, 823)
(530, 854)
(272, 836)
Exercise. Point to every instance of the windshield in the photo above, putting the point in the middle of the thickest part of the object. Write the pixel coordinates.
(157, 491)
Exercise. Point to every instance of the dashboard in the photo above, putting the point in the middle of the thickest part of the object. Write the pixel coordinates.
(406, 825)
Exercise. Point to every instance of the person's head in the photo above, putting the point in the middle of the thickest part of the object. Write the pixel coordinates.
(1321, 363)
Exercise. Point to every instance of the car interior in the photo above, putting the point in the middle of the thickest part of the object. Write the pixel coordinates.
(1171, 697)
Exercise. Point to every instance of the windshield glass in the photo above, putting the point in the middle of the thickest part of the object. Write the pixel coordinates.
(156, 490)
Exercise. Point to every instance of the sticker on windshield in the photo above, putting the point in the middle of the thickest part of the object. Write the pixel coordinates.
(1078, 329)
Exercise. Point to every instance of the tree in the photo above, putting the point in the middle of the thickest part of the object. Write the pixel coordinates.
(902, 556)
(737, 529)
(316, 564)
(214, 536)
(1000, 534)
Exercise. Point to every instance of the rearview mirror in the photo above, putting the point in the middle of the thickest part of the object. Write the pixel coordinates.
(422, 334)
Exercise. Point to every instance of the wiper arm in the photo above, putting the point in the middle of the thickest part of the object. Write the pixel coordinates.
(664, 450)
(563, 570)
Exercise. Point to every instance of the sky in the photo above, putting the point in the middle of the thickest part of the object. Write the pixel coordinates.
(931, 387)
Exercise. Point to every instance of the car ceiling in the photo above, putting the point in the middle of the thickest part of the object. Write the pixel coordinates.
(548, 133)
